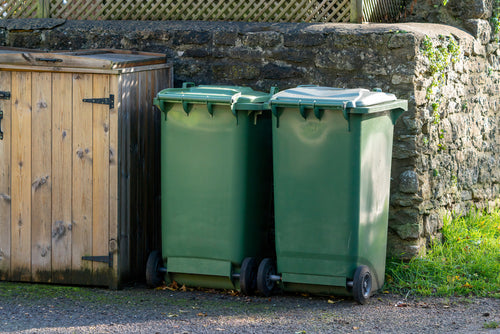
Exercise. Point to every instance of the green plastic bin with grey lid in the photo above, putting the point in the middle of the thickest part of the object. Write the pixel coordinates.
(332, 151)
(216, 187)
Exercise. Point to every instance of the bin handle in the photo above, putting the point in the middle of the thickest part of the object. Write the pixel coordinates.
(50, 60)
(188, 84)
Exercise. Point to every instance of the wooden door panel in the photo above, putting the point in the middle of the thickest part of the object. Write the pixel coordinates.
(62, 176)
(82, 182)
(41, 177)
(100, 186)
(21, 177)
(5, 176)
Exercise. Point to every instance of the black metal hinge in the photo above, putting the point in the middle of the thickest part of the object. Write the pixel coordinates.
(106, 100)
(1, 132)
(4, 95)
(106, 259)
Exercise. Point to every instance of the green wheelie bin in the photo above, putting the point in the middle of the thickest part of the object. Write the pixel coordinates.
(332, 151)
(216, 187)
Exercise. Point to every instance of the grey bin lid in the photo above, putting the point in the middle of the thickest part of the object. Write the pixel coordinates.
(358, 100)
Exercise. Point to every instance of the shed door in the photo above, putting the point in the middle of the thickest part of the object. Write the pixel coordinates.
(61, 157)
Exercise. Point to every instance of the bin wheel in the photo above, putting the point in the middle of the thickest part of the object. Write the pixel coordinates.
(153, 275)
(248, 276)
(264, 282)
(362, 284)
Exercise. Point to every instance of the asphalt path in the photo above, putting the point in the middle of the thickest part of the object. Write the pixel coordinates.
(33, 308)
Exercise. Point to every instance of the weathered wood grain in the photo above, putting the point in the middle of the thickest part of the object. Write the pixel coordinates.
(114, 219)
(5, 177)
(41, 180)
(61, 176)
(100, 186)
(21, 177)
(82, 201)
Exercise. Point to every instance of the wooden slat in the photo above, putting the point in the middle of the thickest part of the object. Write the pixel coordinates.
(82, 180)
(100, 187)
(113, 178)
(36, 59)
(125, 164)
(21, 177)
(135, 231)
(41, 183)
(62, 176)
(5, 178)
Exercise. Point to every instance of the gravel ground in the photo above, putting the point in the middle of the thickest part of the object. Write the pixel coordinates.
(29, 308)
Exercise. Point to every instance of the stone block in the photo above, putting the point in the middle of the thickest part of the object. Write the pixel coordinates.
(262, 39)
(480, 29)
(408, 182)
(404, 249)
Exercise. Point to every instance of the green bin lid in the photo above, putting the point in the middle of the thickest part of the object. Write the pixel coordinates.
(237, 97)
(358, 100)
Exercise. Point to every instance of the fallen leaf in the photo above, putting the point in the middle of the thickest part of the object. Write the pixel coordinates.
(202, 314)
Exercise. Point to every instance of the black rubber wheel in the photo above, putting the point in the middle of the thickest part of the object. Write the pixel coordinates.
(264, 282)
(248, 276)
(154, 277)
(362, 284)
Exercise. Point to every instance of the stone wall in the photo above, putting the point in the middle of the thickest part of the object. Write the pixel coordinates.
(446, 148)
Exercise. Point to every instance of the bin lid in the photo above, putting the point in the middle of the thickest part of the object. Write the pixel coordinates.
(358, 100)
(238, 97)
(103, 59)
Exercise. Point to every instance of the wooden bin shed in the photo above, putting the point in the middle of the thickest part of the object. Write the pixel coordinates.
(79, 165)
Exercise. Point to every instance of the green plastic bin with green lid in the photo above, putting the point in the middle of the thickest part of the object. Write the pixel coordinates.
(332, 151)
(216, 186)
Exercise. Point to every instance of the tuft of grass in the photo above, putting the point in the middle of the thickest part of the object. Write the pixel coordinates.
(466, 262)
(492, 325)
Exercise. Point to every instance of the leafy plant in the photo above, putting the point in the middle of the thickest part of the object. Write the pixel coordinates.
(466, 261)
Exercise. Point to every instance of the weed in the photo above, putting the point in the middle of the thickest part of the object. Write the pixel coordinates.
(466, 262)
(492, 325)
(441, 58)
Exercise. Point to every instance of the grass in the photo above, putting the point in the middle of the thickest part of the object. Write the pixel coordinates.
(466, 262)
